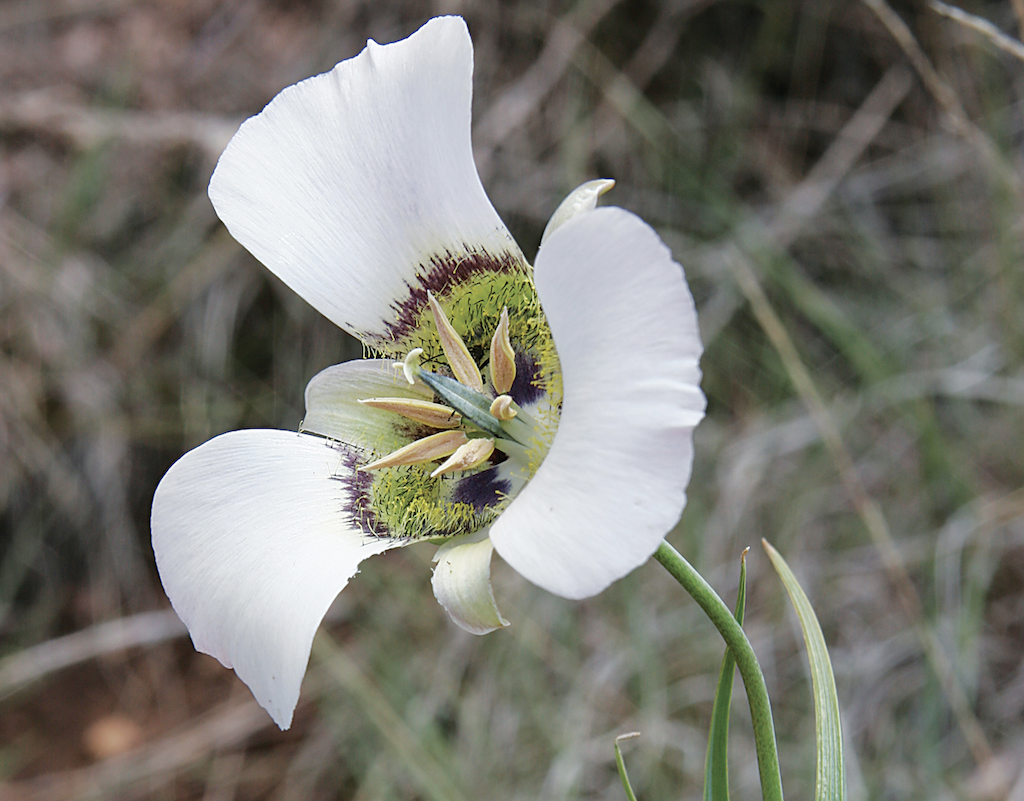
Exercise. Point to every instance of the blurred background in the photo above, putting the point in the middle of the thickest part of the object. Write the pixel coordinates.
(843, 181)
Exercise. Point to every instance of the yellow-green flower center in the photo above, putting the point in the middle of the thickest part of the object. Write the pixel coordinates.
(487, 430)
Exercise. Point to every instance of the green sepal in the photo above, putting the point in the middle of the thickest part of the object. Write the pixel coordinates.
(716, 763)
(830, 777)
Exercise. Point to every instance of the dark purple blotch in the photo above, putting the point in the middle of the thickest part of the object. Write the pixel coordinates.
(526, 388)
(482, 490)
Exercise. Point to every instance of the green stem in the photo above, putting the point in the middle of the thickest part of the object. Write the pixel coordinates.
(746, 660)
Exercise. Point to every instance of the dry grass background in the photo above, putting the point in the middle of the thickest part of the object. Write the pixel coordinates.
(843, 182)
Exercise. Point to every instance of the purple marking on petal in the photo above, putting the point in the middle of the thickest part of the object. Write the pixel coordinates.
(360, 510)
(439, 275)
(482, 490)
(526, 388)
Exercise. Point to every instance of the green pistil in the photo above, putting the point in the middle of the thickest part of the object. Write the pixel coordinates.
(474, 406)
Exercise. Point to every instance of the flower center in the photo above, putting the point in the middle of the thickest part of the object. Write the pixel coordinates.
(497, 397)
(487, 419)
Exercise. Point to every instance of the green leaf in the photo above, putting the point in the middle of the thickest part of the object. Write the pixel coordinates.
(830, 781)
(621, 765)
(716, 763)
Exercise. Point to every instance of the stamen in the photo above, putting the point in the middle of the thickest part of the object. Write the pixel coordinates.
(455, 349)
(474, 452)
(422, 450)
(434, 415)
(503, 358)
(501, 407)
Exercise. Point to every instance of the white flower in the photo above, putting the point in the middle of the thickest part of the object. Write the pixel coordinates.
(572, 448)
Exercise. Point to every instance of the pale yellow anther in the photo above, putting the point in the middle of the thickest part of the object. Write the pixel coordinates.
(503, 358)
(474, 452)
(422, 450)
(501, 407)
(430, 414)
(455, 349)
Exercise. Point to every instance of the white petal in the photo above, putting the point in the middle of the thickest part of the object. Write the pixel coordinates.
(253, 541)
(348, 184)
(462, 585)
(581, 200)
(614, 482)
(333, 409)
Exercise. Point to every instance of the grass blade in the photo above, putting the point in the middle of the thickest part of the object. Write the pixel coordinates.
(830, 781)
(621, 765)
(716, 763)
